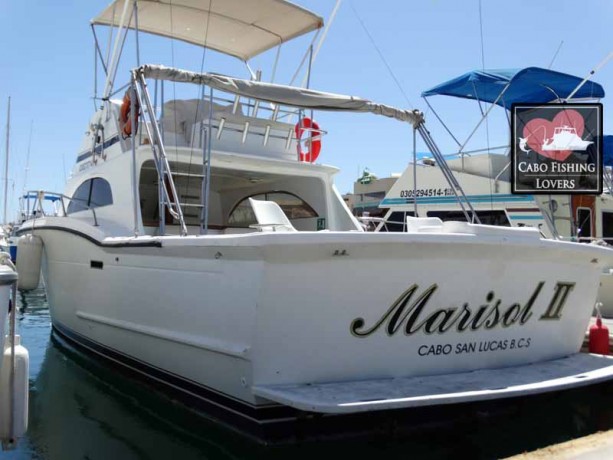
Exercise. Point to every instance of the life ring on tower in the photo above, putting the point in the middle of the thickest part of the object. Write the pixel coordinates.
(125, 117)
(313, 143)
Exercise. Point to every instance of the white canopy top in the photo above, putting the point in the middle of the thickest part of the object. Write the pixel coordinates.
(240, 28)
(281, 94)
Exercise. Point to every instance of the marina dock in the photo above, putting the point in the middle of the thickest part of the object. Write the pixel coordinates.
(594, 447)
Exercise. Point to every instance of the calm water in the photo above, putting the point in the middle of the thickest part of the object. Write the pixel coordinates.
(82, 409)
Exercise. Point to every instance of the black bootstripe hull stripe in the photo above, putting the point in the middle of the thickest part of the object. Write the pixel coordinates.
(191, 391)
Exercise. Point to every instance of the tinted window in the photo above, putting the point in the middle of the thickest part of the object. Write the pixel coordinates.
(101, 193)
(80, 198)
(92, 193)
(242, 215)
(607, 226)
(294, 208)
(584, 222)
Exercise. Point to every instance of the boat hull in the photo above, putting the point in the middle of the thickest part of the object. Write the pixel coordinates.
(214, 317)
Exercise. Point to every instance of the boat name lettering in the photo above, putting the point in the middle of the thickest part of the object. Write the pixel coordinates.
(482, 346)
(85, 165)
(426, 192)
(407, 313)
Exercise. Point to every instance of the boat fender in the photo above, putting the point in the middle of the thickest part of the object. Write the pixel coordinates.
(29, 257)
(20, 392)
(125, 116)
(314, 142)
(599, 338)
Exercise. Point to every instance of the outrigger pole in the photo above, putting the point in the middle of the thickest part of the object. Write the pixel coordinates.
(6, 163)
(119, 39)
(463, 200)
(590, 75)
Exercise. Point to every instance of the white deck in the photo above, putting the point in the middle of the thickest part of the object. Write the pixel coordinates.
(381, 394)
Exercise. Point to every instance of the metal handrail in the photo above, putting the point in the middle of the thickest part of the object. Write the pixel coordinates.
(39, 197)
(160, 157)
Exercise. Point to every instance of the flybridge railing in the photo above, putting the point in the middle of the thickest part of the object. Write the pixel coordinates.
(141, 103)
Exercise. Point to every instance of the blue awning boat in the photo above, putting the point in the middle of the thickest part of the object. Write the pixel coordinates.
(505, 87)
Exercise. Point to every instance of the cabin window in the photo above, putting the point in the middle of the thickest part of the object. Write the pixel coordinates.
(80, 198)
(607, 227)
(498, 218)
(293, 206)
(375, 195)
(584, 223)
(101, 193)
(92, 193)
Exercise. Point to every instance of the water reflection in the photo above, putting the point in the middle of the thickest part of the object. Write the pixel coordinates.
(81, 408)
(96, 414)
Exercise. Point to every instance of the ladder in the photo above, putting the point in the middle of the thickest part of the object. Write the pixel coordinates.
(169, 198)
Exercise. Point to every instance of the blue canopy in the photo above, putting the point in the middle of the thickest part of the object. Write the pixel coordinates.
(32, 196)
(531, 85)
(607, 145)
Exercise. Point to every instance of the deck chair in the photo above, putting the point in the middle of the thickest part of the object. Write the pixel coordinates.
(270, 217)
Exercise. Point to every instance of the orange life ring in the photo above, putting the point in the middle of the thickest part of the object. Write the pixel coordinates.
(314, 145)
(125, 117)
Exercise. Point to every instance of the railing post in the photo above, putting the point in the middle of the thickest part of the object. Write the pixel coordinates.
(207, 172)
(133, 134)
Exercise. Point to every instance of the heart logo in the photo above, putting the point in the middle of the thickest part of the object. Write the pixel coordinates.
(539, 130)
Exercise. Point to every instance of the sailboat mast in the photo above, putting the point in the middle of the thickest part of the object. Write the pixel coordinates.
(6, 162)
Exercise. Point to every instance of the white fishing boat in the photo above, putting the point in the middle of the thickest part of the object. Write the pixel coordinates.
(200, 246)
(484, 174)
(565, 138)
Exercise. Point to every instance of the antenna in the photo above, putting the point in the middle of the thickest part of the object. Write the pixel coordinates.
(25, 175)
(590, 75)
(555, 55)
(6, 163)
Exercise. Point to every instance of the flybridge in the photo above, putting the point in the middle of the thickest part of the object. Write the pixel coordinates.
(240, 29)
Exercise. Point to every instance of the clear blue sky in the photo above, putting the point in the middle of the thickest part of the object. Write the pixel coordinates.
(47, 68)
